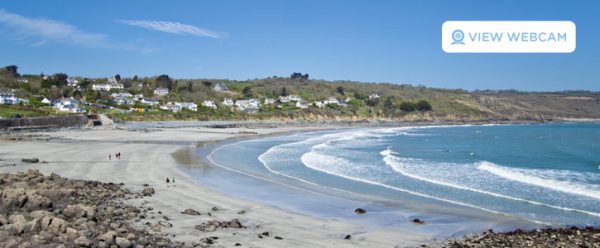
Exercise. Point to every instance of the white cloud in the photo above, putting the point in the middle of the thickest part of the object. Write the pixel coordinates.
(38, 31)
(173, 28)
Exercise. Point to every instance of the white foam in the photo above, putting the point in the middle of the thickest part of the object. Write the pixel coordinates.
(523, 176)
(397, 164)
(320, 162)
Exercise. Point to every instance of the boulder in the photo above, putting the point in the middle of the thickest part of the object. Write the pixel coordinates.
(418, 221)
(190, 211)
(82, 241)
(123, 242)
(58, 225)
(30, 160)
(108, 237)
(360, 211)
(79, 211)
(148, 191)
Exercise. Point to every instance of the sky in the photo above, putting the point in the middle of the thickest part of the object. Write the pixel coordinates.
(370, 41)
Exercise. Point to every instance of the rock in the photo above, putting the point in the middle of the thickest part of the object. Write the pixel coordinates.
(241, 212)
(148, 191)
(360, 211)
(277, 237)
(108, 237)
(58, 224)
(30, 160)
(418, 221)
(190, 211)
(266, 234)
(235, 223)
(82, 241)
(214, 209)
(348, 236)
(40, 214)
(45, 222)
(16, 218)
(79, 211)
(238, 244)
(123, 242)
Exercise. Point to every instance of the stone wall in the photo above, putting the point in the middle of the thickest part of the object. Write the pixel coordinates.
(43, 122)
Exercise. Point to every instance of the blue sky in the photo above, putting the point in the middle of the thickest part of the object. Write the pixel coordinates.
(371, 41)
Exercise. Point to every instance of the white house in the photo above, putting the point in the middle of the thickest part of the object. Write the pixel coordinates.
(72, 82)
(331, 100)
(187, 105)
(269, 101)
(209, 104)
(113, 80)
(68, 105)
(227, 102)
(161, 91)
(220, 87)
(250, 105)
(8, 97)
(101, 87)
(284, 99)
(374, 96)
(319, 104)
(121, 95)
(171, 107)
(302, 105)
(138, 97)
(149, 101)
(294, 98)
(46, 101)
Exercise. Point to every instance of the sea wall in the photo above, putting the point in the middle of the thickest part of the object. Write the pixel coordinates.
(43, 122)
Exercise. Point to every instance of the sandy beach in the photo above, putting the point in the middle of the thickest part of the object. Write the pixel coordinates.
(146, 158)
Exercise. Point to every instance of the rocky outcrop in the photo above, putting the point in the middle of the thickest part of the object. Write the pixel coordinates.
(52, 211)
(562, 237)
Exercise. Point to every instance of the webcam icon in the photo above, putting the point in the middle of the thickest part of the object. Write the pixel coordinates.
(458, 36)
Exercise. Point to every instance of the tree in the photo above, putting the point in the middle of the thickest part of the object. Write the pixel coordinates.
(298, 75)
(408, 106)
(284, 92)
(189, 87)
(372, 102)
(423, 106)
(247, 91)
(207, 83)
(340, 90)
(164, 81)
(389, 102)
(58, 80)
(12, 71)
(135, 78)
(118, 77)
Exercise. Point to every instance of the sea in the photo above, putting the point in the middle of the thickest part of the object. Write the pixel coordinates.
(541, 174)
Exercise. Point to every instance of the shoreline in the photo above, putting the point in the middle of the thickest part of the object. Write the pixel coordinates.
(148, 157)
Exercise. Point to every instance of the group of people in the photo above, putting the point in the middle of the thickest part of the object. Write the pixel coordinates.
(117, 156)
(171, 181)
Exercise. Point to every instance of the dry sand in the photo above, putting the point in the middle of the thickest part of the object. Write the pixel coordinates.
(146, 159)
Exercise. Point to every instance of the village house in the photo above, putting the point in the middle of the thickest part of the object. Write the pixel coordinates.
(374, 96)
(101, 87)
(209, 104)
(221, 87)
(250, 105)
(121, 95)
(227, 102)
(302, 105)
(187, 105)
(149, 101)
(161, 91)
(331, 100)
(8, 97)
(171, 107)
(72, 82)
(269, 101)
(68, 105)
(318, 104)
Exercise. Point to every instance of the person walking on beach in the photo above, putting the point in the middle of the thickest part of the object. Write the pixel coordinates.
(167, 181)
(173, 181)
(109, 157)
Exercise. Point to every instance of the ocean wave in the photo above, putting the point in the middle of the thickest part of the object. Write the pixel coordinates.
(343, 168)
(400, 165)
(543, 178)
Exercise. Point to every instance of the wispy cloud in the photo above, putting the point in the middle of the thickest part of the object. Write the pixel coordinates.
(173, 28)
(38, 31)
